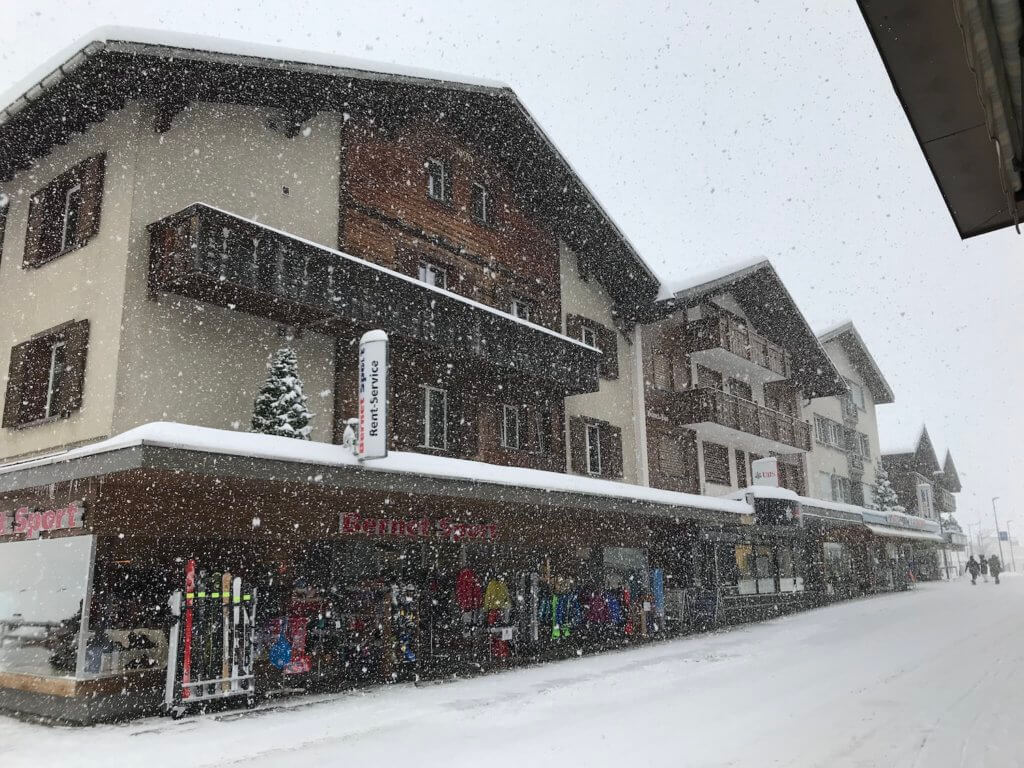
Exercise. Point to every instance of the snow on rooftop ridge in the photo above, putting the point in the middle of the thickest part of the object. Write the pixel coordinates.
(897, 434)
(837, 329)
(670, 289)
(392, 273)
(252, 445)
(210, 44)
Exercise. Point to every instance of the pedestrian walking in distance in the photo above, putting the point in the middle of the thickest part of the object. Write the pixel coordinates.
(983, 563)
(995, 566)
(974, 569)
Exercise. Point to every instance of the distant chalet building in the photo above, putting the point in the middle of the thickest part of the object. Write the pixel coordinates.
(846, 451)
(560, 425)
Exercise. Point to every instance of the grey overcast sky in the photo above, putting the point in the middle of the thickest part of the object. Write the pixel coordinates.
(713, 133)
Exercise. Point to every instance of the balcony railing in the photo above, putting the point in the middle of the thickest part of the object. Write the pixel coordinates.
(727, 333)
(714, 406)
(213, 256)
(945, 501)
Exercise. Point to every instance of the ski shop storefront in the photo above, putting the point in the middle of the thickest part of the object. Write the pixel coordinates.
(290, 570)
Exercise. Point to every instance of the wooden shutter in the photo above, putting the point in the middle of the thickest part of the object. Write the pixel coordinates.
(716, 464)
(4, 207)
(609, 342)
(578, 444)
(73, 377)
(16, 383)
(36, 236)
(91, 174)
(611, 450)
(574, 326)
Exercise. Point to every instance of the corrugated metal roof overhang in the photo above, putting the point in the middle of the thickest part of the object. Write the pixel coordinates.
(922, 48)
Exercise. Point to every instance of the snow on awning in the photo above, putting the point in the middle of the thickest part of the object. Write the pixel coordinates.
(580, 490)
(900, 533)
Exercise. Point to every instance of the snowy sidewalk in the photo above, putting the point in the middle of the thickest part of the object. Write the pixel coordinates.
(931, 678)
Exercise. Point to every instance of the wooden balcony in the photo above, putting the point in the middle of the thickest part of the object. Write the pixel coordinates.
(209, 255)
(727, 333)
(712, 406)
(945, 501)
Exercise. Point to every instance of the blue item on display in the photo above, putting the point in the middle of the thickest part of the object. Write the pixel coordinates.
(281, 651)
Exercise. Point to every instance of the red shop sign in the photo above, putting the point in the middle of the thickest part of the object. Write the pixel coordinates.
(31, 521)
(445, 529)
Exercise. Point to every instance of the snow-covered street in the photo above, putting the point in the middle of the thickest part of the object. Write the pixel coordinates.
(931, 678)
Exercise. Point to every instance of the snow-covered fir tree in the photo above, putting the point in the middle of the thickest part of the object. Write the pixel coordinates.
(885, 498)
(280, 407)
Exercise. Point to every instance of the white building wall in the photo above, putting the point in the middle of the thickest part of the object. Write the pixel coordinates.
(618, 401)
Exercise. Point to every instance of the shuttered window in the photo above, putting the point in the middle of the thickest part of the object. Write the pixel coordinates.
(595, 447)
(716, 464)
(5, 202)
(670, 456)
(65, 215)
(46, 375)
(596, 335)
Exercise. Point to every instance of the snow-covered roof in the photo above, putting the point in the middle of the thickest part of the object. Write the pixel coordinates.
(101, 36)
(147, 45)
(733, 271)
(899, 433)
(772, 311)
(247, 444)
(846, 333)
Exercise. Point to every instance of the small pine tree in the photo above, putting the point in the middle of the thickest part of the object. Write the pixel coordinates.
(885, 498)
(280, 407)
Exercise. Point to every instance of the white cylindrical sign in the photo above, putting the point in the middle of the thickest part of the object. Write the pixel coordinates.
(372, 437)
(765, 471)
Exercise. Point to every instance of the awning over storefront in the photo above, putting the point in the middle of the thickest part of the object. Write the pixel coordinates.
(179, 450)
(900, 533)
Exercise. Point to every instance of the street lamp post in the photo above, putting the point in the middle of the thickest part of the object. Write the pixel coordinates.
(1009, 538)
(995, 517)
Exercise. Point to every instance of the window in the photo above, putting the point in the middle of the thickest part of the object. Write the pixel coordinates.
(431, 274)
(716, 464)
(437, 180)
(593, 334)
(509, 426)
(521, 309)
(58, 364)
(541, 430)
(830, 432)
(856, 394)
(865, 446)
(480, 204)
(838, 435)
(841, 489)
(593, 449)
(46, 375)
(435, 418)
(65, 214)
(822, 429)
(72, 208)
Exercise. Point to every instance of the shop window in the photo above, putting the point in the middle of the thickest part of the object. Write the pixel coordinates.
(438, 184)
(480, 204)
(65, 215)
(764, 567)
(510, 426)
(46, 375)
(432, 274)
(42, 591)
(435, 418)
(746, 579)
(716, 464)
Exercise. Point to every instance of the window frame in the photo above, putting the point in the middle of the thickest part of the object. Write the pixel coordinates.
(479, 191)
(590, 444)
(428, 431)
(426, 268)
(516, 307)
(514, 410)
(53, 379)
(444, 180)
(587, 329)
(69, 239)
(856, 389)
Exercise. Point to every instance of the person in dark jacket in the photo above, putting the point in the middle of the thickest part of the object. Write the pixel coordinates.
(983, 563)
(974, 569)
(995, 566)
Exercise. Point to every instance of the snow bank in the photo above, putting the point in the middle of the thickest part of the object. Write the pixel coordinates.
(207, 440)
